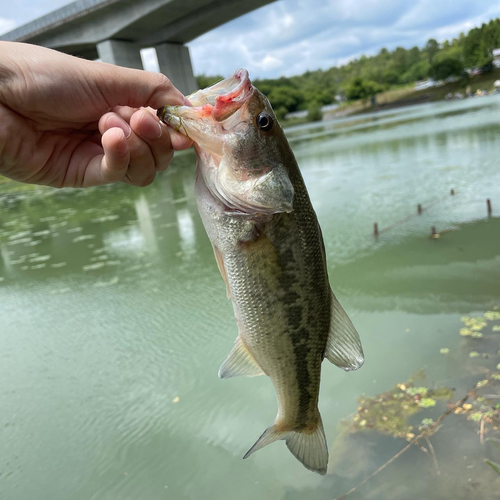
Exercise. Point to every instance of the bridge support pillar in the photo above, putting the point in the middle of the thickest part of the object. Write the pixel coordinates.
(120, 53)
(175, 62)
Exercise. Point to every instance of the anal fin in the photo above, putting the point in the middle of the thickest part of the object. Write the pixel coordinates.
(343, 348)
(240, 362)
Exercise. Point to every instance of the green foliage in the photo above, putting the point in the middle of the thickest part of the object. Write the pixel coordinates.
(477, 46)
(417, 71)
(431, 49)
(204, 81)
(445, 65)
(494, 466)
(281, 111)
(314, 113)
(389, 413)
(413, 391)
(286, 97)
(364, 77)
(427, 403)
(362, 89)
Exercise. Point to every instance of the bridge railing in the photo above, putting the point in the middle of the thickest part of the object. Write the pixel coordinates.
(64, 14)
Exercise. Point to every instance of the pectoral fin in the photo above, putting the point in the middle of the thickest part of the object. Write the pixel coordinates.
(343, 348)
(222, 269)
(240, 362)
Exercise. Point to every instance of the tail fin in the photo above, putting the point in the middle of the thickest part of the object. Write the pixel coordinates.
(309, 448)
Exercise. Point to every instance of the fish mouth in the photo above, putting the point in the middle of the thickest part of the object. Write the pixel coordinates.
(218, 102)
(236, 88)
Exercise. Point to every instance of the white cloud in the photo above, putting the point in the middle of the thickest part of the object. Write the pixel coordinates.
(310, 34)
(290, 36)
(270, 62)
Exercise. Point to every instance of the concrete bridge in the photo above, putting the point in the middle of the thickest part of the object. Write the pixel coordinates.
(116, 30)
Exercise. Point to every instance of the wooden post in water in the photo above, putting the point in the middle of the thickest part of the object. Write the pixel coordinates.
(452, 192)
(433, 231)
(488, 205)
(419, 209)
(375, 229)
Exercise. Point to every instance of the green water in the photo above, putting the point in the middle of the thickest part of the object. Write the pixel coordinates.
(114, 322)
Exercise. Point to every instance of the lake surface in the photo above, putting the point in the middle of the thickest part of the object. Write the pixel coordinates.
(114, 322)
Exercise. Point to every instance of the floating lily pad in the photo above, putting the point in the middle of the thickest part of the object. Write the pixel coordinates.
(427, 403)
(492, 315)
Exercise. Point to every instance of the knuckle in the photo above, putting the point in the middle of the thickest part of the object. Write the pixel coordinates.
(164, 83)
(164, 161)
(165, 88)
(146, 181)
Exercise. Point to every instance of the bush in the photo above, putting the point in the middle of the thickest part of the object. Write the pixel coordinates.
(362, 89)
(445, 66)
(205, 81)
(280, 112)
(314, 113)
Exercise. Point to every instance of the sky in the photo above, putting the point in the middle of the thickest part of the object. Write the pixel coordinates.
(289, 37)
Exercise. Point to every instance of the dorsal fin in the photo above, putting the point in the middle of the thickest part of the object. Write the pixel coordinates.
(240, 362)
(343, 348)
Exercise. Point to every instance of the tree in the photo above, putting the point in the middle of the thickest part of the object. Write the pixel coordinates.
(205, 81)
(431, 48)
(314, 113)
(391, 76)
(417, 72)
(446, 65)
(362, 89)
(286, 97)
(362, 78)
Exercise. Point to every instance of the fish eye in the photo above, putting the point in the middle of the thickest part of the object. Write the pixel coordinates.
(265, 122)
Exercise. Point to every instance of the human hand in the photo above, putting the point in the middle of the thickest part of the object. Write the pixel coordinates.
(66, 121)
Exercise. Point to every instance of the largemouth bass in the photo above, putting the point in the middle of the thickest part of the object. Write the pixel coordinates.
(270, 252)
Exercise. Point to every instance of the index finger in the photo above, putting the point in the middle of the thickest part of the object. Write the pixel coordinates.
(135, 88)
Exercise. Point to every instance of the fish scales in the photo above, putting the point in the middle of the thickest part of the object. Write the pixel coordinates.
(269, 248)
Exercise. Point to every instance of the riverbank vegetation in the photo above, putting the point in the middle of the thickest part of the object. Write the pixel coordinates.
(406, 410)
(395, 70)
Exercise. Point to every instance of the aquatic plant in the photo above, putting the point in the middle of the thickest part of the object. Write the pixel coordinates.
(494, 465)
(473, 326)
(388, 413)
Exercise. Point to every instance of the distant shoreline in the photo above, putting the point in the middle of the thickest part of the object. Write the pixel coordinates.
(408, 96)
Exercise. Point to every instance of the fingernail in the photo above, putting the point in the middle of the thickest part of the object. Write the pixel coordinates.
(122, 148)
(116, 121)
(150, 128)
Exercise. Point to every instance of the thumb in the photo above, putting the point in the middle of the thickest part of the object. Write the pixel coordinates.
(135, 88)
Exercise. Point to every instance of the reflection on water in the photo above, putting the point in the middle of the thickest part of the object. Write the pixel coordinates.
(115, 321)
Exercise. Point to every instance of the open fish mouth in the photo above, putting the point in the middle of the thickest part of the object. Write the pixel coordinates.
(236, 88)
(217, 102)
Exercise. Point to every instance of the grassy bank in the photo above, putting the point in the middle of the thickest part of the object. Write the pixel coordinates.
(406, 96)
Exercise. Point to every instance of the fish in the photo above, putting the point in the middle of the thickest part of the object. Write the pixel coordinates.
(269, 250)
